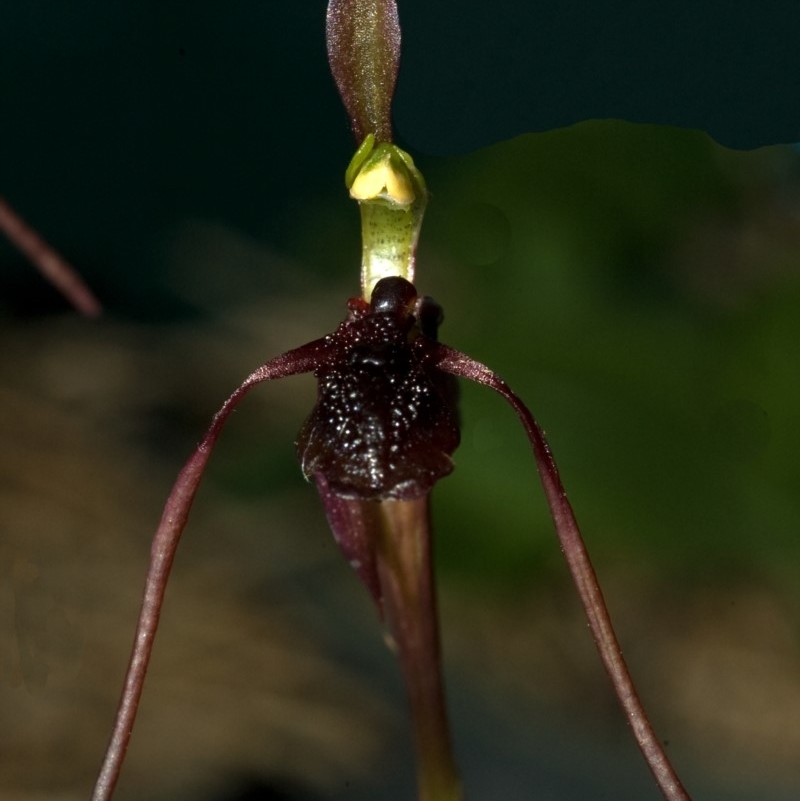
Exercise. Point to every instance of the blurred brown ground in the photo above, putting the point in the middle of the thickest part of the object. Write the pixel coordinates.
(246, 679)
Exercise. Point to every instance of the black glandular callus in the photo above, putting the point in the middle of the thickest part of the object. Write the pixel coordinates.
(385, 423)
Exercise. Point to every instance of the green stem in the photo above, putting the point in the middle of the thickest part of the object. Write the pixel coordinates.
(389, 241)
(405, 571)
(392, 195)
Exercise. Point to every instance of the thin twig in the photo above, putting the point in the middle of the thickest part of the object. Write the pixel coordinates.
(50, 264)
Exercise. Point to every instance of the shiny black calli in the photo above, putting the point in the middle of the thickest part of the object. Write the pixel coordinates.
(385, 423)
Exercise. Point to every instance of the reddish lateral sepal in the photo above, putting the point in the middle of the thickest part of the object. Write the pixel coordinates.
(569, 535)
(162, 552)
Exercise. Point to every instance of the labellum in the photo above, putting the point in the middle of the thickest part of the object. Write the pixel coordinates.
(385, 424)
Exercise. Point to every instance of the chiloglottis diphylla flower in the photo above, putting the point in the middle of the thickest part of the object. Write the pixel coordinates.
(383, 432)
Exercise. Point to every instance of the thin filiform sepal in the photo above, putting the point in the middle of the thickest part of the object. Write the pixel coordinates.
(162, 552)
(572, 544)
(59, 272)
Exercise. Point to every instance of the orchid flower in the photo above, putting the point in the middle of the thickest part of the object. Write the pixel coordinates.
(383, 431)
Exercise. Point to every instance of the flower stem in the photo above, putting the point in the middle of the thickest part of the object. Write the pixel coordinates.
(405, 570)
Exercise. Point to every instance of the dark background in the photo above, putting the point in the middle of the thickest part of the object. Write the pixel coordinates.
(635, 281)
(192, 106)
(476, 73)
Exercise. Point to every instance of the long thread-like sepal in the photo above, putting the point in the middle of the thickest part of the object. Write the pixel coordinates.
(162, 552)
(583, 574)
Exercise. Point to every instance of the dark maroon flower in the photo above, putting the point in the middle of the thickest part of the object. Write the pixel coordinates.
(383, 431)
